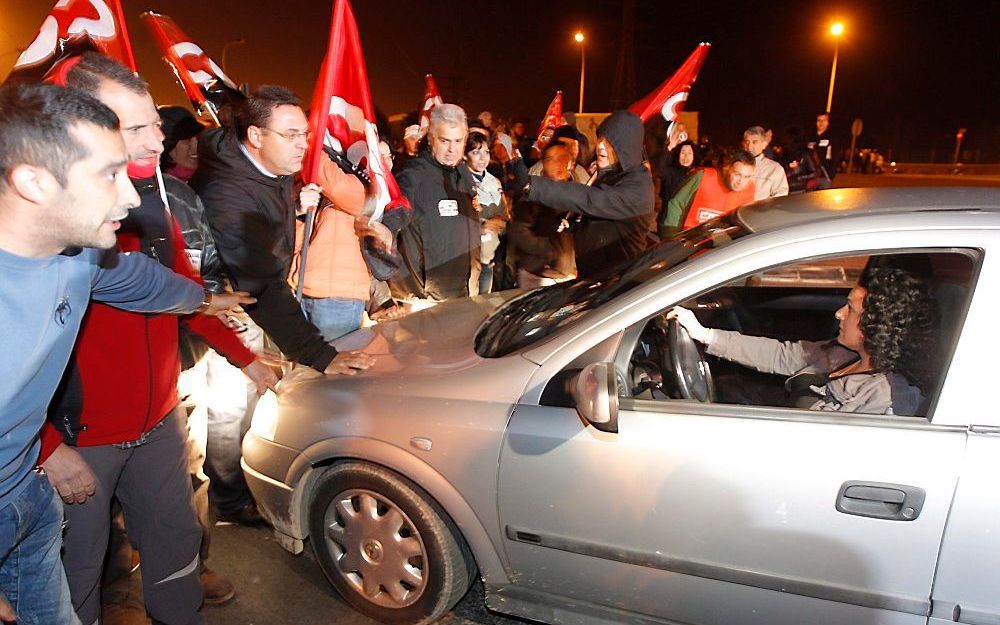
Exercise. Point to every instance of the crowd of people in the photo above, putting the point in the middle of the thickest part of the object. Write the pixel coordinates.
(152, 265)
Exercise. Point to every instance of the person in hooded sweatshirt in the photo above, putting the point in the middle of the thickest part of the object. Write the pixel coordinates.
(617, 210)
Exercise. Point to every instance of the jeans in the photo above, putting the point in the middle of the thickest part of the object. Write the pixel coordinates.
(31, 572)
(334, 316)
(486, 279)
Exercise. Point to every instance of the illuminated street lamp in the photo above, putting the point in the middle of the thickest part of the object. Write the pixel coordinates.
(837, 31)
(578, 37)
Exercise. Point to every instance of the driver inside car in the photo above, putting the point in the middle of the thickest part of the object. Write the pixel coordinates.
(878, 363)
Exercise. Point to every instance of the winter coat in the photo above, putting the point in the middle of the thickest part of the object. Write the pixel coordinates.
(536, 243)
(123, 377)
(252, 218)
(334, 264)
(189, 212)
(618, 210)
(441, 242)
(869, 393)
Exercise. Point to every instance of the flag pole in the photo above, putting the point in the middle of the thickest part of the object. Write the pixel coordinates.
(306, 235)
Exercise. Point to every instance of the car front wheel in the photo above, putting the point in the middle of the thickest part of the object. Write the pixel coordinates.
(388, 548)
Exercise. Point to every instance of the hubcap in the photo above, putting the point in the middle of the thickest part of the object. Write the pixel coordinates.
(376, 548)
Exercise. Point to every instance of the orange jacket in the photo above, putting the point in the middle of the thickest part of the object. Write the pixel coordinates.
(334, 265)
(713, 198)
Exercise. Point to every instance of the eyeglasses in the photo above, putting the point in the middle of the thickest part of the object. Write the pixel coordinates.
(291, 136)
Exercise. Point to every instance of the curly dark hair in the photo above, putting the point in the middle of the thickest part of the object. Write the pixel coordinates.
(899, 321)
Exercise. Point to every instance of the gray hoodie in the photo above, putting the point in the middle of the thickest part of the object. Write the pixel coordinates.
(871, 393)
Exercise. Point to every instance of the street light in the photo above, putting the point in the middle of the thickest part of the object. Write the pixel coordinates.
(837, 30)
(578, 37)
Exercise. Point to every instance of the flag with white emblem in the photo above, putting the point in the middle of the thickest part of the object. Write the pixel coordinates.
(206, 85)
(668, 99)
(342, 117)
(72, 28)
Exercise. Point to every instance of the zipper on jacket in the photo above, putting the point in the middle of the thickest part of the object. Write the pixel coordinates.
(149, 369)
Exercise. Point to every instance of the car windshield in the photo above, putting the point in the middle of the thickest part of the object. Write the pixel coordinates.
(538, 313)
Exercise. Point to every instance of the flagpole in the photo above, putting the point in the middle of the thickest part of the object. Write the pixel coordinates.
(306, 235)
(209, 108)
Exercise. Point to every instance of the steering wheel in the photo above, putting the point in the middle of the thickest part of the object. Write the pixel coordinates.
(687, 362)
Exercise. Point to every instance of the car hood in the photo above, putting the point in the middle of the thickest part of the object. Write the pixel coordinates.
(424, 343)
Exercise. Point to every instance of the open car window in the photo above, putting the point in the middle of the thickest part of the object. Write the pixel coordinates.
(797, 304)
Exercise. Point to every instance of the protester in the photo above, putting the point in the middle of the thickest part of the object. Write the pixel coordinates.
(571, 138)
(769, 176)
(245, 179)
(441, 245)
(63, 191)
(709, 193)
(337, 281)
(491, 204)
(682, 160)
(823, 144)
(617, 211)
(117, 417)
(519, 135)
(486, 118)
(541, 247)
(180, 143)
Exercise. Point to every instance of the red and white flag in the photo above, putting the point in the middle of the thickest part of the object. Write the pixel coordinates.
(553, 118)
(206, 85)
(432, 97)
(343, 116)
(72, 28)
(668, 99)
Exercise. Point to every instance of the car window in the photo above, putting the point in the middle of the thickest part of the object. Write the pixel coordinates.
(777, 338)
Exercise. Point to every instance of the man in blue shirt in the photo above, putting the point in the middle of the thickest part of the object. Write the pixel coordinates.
(63, 192)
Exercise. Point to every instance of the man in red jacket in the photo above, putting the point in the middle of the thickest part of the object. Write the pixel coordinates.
(116, 431)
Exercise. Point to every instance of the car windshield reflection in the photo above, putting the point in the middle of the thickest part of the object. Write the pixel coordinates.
(538, 313)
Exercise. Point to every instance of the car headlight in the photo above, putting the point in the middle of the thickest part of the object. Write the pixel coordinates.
(265, 416)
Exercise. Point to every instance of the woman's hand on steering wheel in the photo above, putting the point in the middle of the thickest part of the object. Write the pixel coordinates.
(690, 323)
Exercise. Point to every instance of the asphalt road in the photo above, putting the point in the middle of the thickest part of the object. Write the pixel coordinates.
(273, 586)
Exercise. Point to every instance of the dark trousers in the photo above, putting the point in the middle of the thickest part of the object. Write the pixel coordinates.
(152, 483)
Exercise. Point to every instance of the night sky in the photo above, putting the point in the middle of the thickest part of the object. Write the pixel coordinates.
(914, 71)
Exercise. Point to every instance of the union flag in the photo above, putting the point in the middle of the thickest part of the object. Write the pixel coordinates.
(553, 118)
(432, 97)
(72, 28)
(206, 85)
(342, 117)
(668, 99)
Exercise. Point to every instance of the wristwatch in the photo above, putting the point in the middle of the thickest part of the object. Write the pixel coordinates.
(205, 303)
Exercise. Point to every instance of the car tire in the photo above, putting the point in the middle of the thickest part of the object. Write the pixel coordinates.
(386, 546)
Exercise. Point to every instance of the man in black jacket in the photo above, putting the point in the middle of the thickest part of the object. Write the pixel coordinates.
(617, 211)
(246, 180)
(440, 246)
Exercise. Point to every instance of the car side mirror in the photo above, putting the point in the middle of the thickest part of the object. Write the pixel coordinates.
(595, 391)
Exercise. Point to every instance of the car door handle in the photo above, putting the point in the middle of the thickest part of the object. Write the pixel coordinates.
(878, 500)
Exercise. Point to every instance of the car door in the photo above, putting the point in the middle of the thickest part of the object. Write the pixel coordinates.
(721, 514)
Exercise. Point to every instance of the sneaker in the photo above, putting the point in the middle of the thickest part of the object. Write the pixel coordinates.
(216, 588)
(247, 516)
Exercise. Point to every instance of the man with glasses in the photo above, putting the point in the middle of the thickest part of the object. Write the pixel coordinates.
(246, 179)
(709, 193)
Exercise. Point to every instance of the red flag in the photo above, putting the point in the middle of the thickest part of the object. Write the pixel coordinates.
(202, 79)
(432, 97)
(668, 99)
(72, 28)
(553, 119)
(343, 116)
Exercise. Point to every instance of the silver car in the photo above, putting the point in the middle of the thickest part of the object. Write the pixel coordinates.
(591, 465)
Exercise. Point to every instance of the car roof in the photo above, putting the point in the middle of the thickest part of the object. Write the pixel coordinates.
(838, 203)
